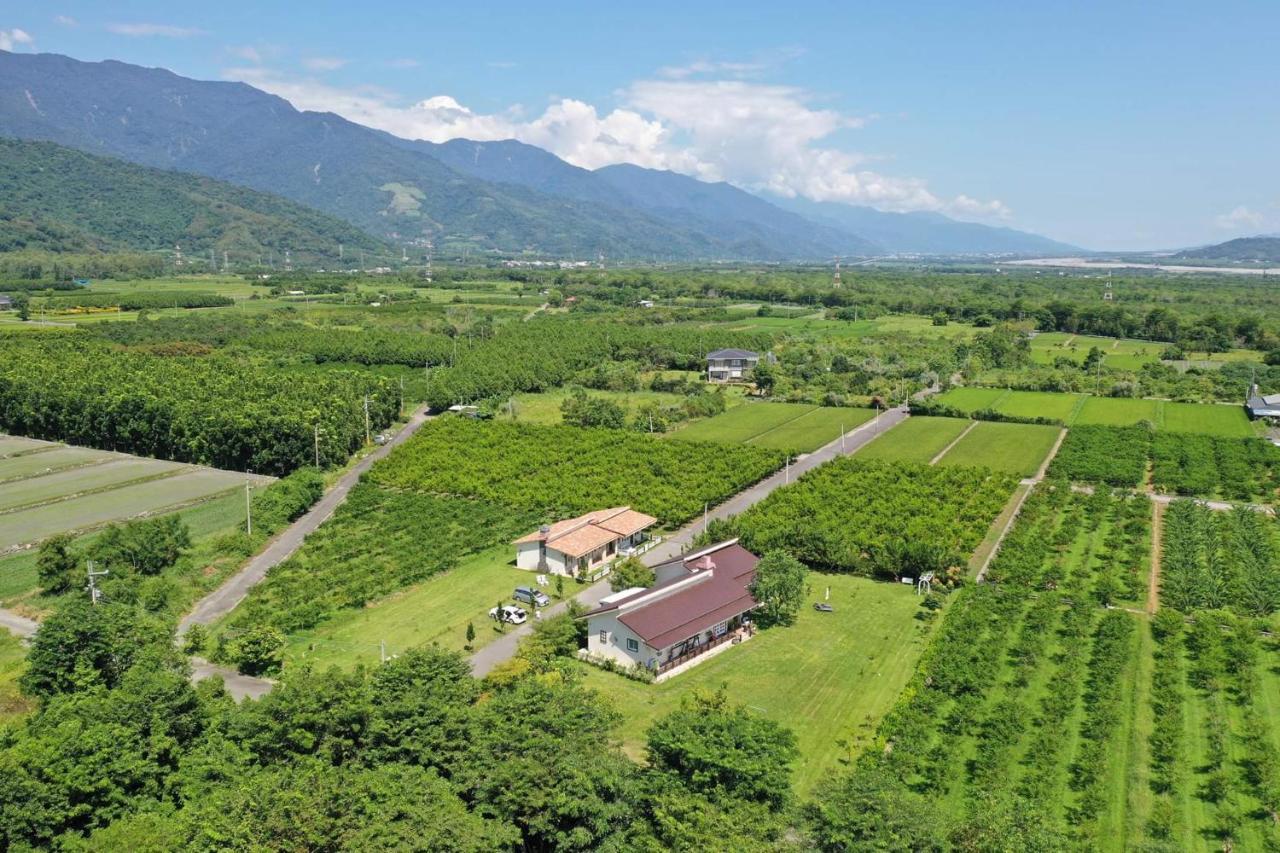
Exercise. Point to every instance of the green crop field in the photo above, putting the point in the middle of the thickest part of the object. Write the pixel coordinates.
(917, 439)
(544, 408)
(1117, 411)
(57, 458)
(1039, 404)
(1016, 448)
(11, 444)
(79, 481)
(1224, 421)
(829, 678)
(49, 488)
(743, 423)
(812, 429)
(972, 399)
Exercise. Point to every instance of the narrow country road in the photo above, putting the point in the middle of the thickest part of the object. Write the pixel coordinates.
(225, 598)
(503, 648)
(19, 626)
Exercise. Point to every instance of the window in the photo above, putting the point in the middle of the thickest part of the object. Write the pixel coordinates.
(633, 645)
(722, 628)
(604, 637)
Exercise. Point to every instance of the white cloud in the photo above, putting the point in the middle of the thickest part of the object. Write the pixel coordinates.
(323, 63)
(65, 21)
(246, 52)
(12, 39)
(1241, 219)
(158, 30)
(404, 62)
(753, 135)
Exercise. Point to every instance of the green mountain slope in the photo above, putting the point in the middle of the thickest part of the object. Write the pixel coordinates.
(1261, 249)
(58, 199)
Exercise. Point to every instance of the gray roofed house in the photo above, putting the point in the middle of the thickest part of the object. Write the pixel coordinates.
(1262, 406)
(730, 365)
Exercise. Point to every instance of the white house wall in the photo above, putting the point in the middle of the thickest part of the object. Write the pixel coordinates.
(615, 648)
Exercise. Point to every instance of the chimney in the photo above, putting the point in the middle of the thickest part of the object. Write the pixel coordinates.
(544, 530)
(704, 563)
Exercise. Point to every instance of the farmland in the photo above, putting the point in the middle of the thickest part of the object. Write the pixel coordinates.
(1018, 449)
(830, 677)
(40, 499)
(567, 470)
(1086, 410)
(781, 426)
(918, 439)
(929, 518)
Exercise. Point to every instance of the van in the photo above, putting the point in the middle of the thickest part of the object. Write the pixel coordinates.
(529, 595)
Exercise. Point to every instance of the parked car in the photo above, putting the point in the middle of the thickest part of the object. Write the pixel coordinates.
(509, 613)
(529, 595)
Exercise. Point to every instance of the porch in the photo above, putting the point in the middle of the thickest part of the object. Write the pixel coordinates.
(702, 651)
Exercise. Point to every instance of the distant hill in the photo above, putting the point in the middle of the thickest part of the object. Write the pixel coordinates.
(1262, 249)
(59, 199)
(744, 224)
(236, 133)
(925, 233)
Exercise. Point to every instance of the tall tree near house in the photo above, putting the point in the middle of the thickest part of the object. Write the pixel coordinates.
(778, 587)
(629, 573)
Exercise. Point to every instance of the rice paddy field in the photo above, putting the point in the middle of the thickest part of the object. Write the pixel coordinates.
(1016, 448)
(49, 488)
(917, 439)
(784, 426)
(1080, 409)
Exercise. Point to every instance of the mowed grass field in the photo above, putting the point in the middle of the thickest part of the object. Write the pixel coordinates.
(436, 610)
(829, 678)
(49, 488)
(785, 426)
(1080, 409)
(917, 439)
(1017, 448)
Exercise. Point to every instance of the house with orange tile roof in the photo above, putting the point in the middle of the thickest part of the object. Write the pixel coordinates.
(580, 546)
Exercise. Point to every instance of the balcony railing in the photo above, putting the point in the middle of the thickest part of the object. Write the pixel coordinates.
(736, 635)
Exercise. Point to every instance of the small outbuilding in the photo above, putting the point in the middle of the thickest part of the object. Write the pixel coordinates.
(1260, 406)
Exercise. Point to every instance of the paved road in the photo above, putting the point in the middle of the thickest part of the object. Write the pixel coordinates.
(19, 626)
(239, 686)
(504, 647)
(225, 598)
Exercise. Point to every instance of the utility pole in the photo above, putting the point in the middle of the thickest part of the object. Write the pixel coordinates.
(367, 438)
(382, 650)
(705, 506)
(95, 594)
(248, 507)
(787, 473)
(842, 437)
(317, 434)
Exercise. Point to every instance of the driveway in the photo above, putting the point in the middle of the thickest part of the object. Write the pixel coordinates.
(504, 647)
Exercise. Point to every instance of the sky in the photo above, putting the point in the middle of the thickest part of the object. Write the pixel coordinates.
(1118, 125)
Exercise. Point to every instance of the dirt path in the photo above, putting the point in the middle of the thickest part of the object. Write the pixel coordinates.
(1157, 537)
(944, 451)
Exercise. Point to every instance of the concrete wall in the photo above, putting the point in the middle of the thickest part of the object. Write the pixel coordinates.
(527, 558)
(615, 646)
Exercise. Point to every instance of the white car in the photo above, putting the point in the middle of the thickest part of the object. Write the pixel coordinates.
(508, 613)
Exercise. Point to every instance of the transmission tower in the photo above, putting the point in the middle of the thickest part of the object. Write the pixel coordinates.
(177, 255)
(835, 279)
(95, 594)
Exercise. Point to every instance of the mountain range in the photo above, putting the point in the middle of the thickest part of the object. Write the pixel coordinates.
(505, 197)
(63, 200)
(1265, 248)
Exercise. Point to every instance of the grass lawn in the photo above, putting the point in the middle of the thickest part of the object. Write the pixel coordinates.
(829, 678)
(545, 408)
(436, 610)
(1017, 448)
(1118, 411)
(972, 399)
(1039, 404)
(917, 439)
(743, 423)
(812, 429)
(13, 659)
(1225, 421)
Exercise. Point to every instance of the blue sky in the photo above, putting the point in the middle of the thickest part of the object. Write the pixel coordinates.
(1104, 124)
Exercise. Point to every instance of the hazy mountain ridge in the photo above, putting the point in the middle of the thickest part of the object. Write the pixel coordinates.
(1264, 248)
